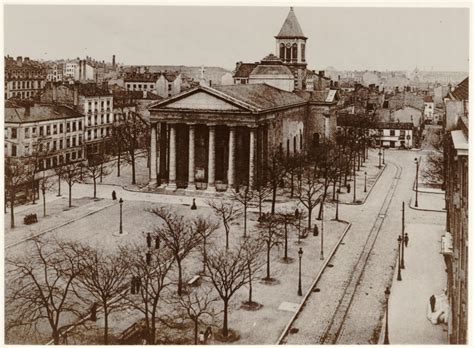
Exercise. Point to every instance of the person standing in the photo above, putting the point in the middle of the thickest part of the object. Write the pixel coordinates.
(114, 195)
(405, 239)
(432, 302)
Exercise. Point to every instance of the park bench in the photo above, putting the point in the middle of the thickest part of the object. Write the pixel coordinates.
(30, 219)
(195, 281)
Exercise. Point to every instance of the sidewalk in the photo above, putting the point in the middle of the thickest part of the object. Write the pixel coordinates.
(422, 277)
(428, 202)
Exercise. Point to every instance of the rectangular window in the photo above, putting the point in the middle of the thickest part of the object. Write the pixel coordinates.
(55, 129)
(73, 155)
(68, 127)
(80, 125)
(74, 141)
(392, 132)
(13, 133)
(108, 118)
(74, 126)
(54, 145)
(68, 142)
(27, 132)
(89, 134)
(13, 150)
(67, 158)
(48, 130)
(60, 144)
(41, 131)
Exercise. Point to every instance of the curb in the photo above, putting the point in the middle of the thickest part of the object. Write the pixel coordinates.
(423, 209)
(59, 226)
(370, 190)
(313, 284)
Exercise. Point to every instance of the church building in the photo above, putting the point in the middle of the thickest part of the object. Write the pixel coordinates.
(215, 138)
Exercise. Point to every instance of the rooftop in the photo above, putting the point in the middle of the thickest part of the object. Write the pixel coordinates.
(461, 92)
(244, 70)
(90, 89)
(38, 113)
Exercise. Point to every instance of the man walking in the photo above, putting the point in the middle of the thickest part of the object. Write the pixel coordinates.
(405, 239)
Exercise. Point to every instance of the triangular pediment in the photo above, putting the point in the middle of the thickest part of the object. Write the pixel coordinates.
(202, 101)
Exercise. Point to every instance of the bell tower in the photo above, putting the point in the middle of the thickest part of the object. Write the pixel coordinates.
(291, 48)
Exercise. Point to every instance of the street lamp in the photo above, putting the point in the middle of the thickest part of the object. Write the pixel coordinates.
(387, 296)
(365, 181)
(416, 182)
(383, 154)
(355, 186)
(300, 254)
(298, 216)
(399, 275)
(121, 202)
(337, 207)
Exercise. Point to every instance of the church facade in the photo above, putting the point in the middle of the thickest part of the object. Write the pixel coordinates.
(220, 137)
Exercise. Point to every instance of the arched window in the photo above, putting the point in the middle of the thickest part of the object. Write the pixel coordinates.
(294, 144)
(315, 139)
(294, 56)
(282, 51)
(288, 54)
(288, 147)
(303, 46)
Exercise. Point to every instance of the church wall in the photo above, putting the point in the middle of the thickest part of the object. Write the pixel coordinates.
(286, 125)
(315, 122)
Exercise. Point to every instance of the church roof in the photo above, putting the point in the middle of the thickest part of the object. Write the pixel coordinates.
(261, 96)
(244, 69)
(271, 70)
(291, 28)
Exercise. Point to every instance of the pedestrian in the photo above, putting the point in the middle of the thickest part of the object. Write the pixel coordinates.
(432, 302)
(207, 334)
(133, 285)
(201, 337)
(193, 206)
(405, 239)
(315, 230)
(114, 195)
(148, 240)
(348, 188)
(138, 284)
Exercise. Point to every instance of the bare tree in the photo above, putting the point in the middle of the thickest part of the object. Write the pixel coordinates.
(308, 190)
(71, 173)
(227, 271)
(130, 131)
(253, 248)
(276, 172)
(45, 185)
(288, 220)
(434, 170)
(228, 212)
(41, 285)
(150, 277)
(195, 305)
(104, 279)
(245, 197)
(261, 193)
(204, 227)
(269, 233)
(39, 153)
(96, 168)
(16, 174)
(178, 236)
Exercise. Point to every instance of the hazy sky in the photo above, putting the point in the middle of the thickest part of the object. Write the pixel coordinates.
(346, 38)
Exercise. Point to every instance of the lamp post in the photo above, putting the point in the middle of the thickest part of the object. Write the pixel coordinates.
(300, 254)
(402, 266)
(383, 155)
(355, 185)
(365, 181)
(322, 231)
(399, 275)
(416, 182)
(337, 207)
(387, 296)
(121, 202)
(380, 158)
(298, 217)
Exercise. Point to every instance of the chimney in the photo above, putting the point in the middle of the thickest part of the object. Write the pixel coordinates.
(76, 95)
(27, 59)
(339, 77)
(331, 84)
(113, 61)
(80, 70)
(321, 73)
(19, 60)
(27, 109)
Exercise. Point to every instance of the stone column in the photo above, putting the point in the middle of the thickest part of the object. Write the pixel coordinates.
(253, 131)
(172, 159)
(231, 169)
(191, 184)
(211, 166)
(153, 176)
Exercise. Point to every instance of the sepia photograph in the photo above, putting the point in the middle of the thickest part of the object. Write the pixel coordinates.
(282, 173)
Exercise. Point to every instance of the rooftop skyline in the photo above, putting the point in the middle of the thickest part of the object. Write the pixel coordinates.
(345, 38)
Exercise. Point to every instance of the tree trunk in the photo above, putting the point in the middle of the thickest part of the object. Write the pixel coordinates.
(70, 195)
(225, 328)
(292, 186)
(250, 283)
(44, 202)
(260, 201)
(274, 194)
(118, 162)
(95, 187)
(106, 324)
(56, 337)
(286, 242)
(12, 205)
(180, 277)
(334, 189)
(245, 219)
(133, 167)
(101, 170)
(196, 331)
(34, 189)
(59, 185)
(226, 227)
(268, 260)
(310, 212)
